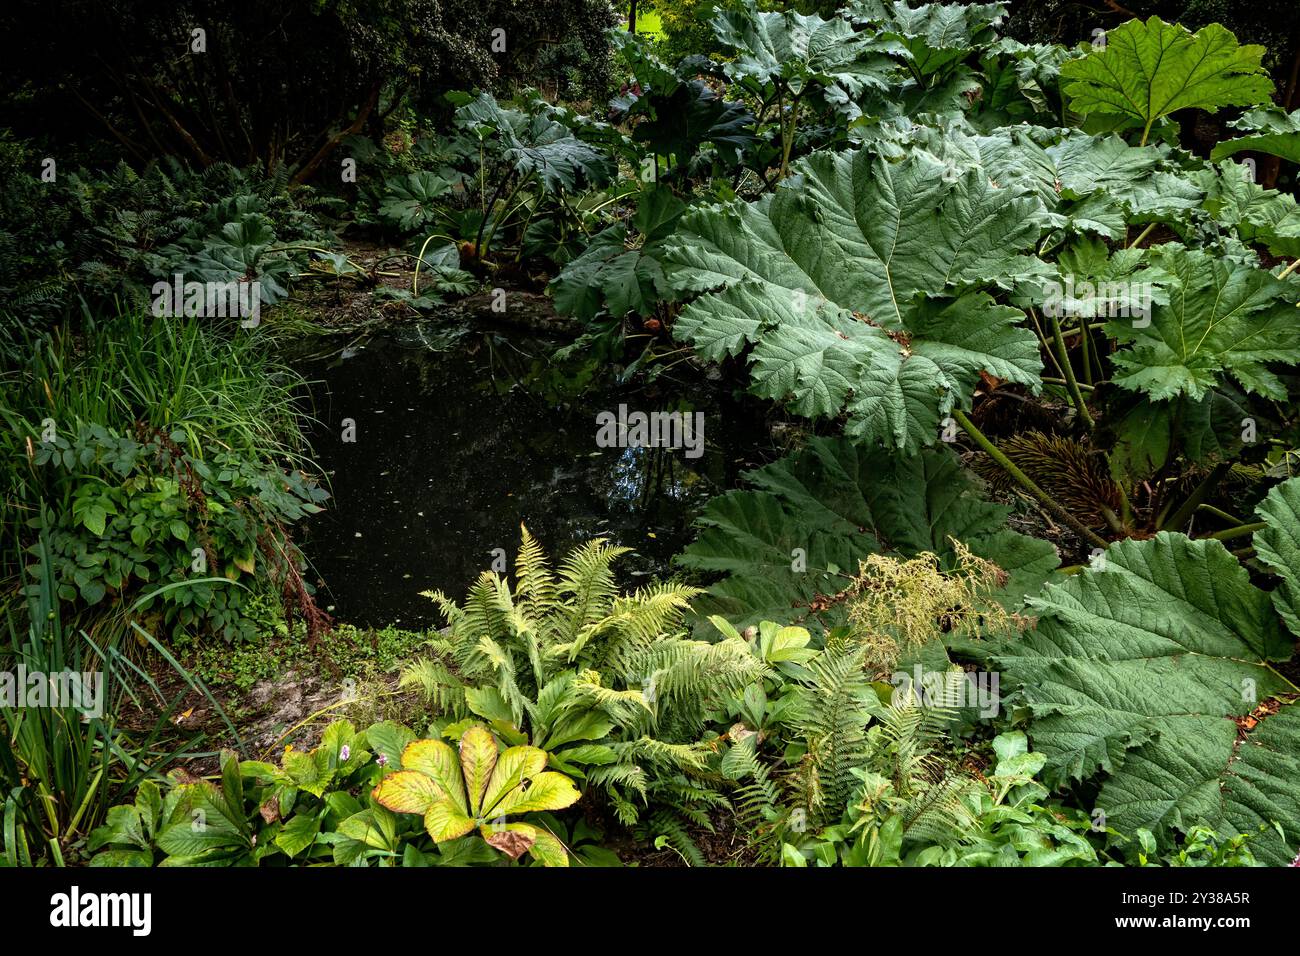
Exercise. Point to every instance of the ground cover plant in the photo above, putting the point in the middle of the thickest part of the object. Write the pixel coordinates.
(1010, 578)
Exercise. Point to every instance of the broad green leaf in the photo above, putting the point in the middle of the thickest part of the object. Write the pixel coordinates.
(1223, 320)
(1269, 130)
(826, 284)
(537, 144)
(1278, 546)
(815, 514)
(374, 828)
(803, 51)
(935, 35)
(122, 858)
(1106, 178)
(1264, 216)
(1148, 70)
(412, 200)
(1141, 668)
(390, 740)
(298, 834)
(122, 825)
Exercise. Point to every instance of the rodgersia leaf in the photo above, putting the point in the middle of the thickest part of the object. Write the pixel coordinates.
(1223, 319)
(826, 284)
(815, 514)
(1149, 70)
(1152, 669)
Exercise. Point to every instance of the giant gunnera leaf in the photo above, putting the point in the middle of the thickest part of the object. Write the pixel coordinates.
(1148, 70)
(1268, 130)
(811, 517)
(1223, 320)
(1154, 669)
(853, 289)
(1278, 546)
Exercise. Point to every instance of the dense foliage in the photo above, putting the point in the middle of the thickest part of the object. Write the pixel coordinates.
(1019, 587)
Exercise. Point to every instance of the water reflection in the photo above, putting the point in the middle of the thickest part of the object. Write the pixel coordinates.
(461, 436)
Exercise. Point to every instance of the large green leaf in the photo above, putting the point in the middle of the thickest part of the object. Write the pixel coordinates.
(621, 270)
(1278, 546)
(1268, 130)
(815, 514)
(1148, 70)
(1264, 216)
(537, 144)
(1140, 669)
(935, 35)
(826, 283)
(1223, 319)
(802, 51)
(1111, 180)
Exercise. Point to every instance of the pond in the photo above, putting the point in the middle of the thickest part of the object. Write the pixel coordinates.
(439, 441)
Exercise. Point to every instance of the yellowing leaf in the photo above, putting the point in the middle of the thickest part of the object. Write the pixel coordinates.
(445, 821)
(546, 791)
(437, 760)
(408, 792)
(513, 768)
(478, 755)
(548, 850)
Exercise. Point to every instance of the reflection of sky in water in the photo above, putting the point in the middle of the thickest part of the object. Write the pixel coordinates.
(639, 473)
(444, 470)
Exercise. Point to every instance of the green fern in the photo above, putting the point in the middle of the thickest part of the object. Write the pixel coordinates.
(608, 683)
(832, 716)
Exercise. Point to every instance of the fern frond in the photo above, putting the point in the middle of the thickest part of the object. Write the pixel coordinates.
(443, 690)
(832, 715)
(536, 588)
(666, 824)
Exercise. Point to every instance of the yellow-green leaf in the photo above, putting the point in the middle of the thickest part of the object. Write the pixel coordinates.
(514, 766)
(547, 849)
(546, 791)
(445, 821)
(478, 755)
(408, 791)
(437, 760)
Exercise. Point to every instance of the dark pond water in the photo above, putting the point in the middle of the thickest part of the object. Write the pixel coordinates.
(460, 436)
